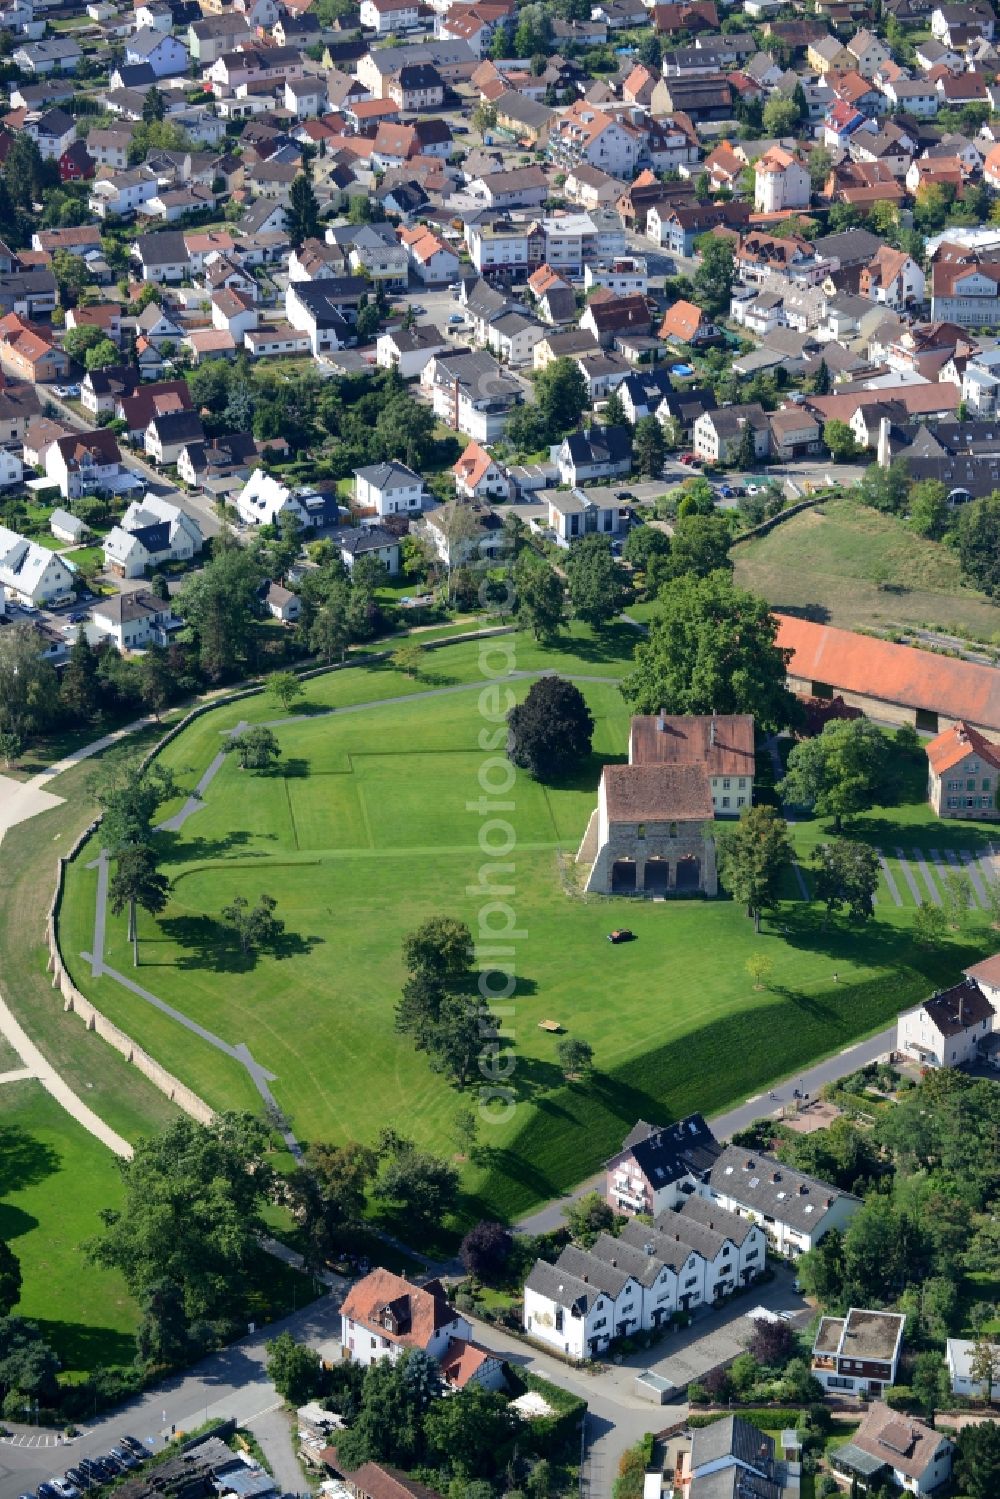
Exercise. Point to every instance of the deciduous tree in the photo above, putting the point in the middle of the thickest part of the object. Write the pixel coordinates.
(285, 688)
(137, 882)
(576, 1057)
(485, 1251)
(539, 596)
(293, 1368)
(550, 733)
(597, 588)
(711, 647)
(191, 1212)
(255, 926)
(753, 854)
(846, 877)
(255, 748)
(839, 773)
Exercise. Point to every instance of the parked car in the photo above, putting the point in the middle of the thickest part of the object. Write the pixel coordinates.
(77, 1477)
(127, 1459)
(456, 317)
(64, 1488)
(133, 1444)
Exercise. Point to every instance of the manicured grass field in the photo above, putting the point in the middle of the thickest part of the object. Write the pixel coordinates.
(836, 556)
(365, 830)
(55, 1179)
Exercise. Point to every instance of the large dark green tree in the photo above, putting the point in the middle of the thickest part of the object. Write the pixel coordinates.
(598, 590)
(192, 1213)
(979, 543)
(977, 1460)
(713, 280)
(10, 1280)
(551, 732)
(700, 545)
(220, 604)
(711, 648)
(137, 882)
(538, 596)
(839, 773)
(302, 211)
(846, 877)
(562, 396)
(753, 855)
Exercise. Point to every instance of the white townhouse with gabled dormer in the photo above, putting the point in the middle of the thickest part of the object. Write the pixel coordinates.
(796, 1210)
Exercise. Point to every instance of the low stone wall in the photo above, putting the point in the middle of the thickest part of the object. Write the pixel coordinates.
(809, 503)
(77, 1003)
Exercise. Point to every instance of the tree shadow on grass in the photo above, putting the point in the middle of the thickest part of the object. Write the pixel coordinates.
(208, 945)
(428, 679)
(176, 848)
(83, 1347)
(295, 768)
(614, 643)
(14, 1222)
(931, 833)
(586, 775)
(24, 1160)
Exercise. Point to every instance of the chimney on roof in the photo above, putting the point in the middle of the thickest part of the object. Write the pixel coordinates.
(802, 1189)
(711, 732)
(776, 1176)
(648, 1248)
(661, 722)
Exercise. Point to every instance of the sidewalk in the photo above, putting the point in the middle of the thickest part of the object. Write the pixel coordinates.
(543, 1220)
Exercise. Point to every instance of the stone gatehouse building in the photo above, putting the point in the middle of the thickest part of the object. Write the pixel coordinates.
(651, 832)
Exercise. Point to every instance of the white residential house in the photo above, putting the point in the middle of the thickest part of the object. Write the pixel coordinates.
(133, 620)
(165, 54)
(408, 350)
(780, 182)
(796, 1210)
(282, 604)
(369, 541)
(577, 512)
(389, 489)
(305, 97)
(896, 1450)
(959, 1356)
(572, 1315)
(151, 531)
(386, 16)
(384, 1315)
(119, 196)
(263, 499)
(30, 573)
(858, 1354)
(478, 476)
(948, 1029)
(84, 462)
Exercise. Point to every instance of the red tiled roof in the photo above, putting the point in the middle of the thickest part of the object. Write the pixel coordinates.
(890, 673)
(951, 746)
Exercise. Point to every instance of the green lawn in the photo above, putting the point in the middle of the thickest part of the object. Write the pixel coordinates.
(365, 830)
(55, 1179)
(862, 568)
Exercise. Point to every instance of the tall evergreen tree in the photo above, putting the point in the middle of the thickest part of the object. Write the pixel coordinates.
(303, 211)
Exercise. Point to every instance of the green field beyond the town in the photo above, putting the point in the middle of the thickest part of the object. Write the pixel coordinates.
(364, 830)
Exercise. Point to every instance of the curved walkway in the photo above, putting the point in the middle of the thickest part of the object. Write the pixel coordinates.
(37, 1066)
(241, 1053)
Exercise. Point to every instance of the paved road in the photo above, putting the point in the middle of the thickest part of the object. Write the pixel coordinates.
(231, 1383)
(808, 1081)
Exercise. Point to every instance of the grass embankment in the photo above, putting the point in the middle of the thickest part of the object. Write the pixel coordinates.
(858, 567)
